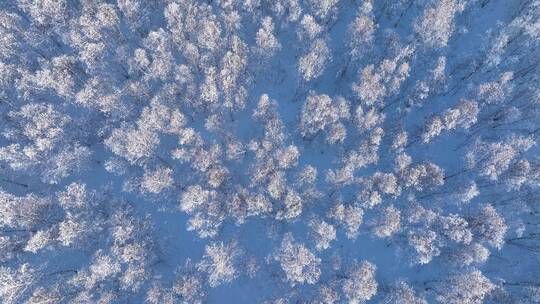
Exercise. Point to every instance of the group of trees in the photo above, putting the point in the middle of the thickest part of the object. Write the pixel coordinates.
(156, 151)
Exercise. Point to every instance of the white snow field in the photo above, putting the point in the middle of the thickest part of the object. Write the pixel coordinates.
(269, 151)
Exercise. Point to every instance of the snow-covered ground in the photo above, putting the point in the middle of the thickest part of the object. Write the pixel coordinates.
(284, 151)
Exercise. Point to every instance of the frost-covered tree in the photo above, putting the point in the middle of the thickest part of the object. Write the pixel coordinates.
(470, 287)
(42, 144)
(83, 215)
(323, 233)
(436, 25)
(456, 229)
(496, 91)
(402, 293)
(309, 28)
(377, 82)
(494, 158)
(293, 206)
(14, 282)
(433, 128)
(463, 115)
(189, 284)
(387, 222)
(26, 212)
(360, 284)
(267, 43)
(375, 187)
(370, 89)
(132, 144)
(474, 253)
(321, 113)
(205, 210)
(362, 30)
(425, 245)
(157, 180)
(422, 176)
(367, 119)
(298, 262)
(348, 217)
(328, 295)
(312, 64)
(220, 262)
(489, 226)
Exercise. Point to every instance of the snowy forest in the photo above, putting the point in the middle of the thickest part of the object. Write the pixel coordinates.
(269, 151)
